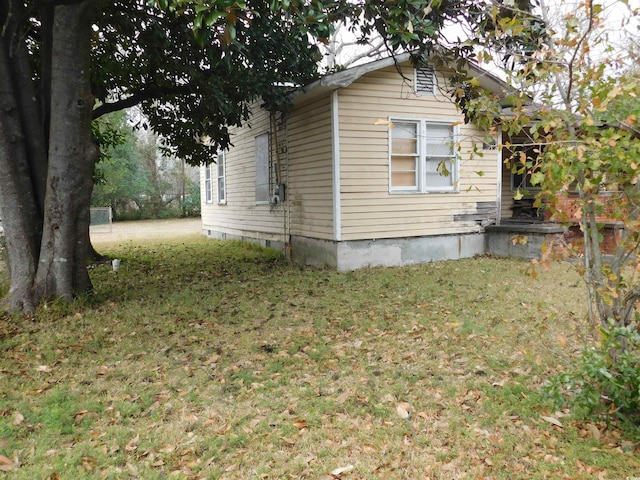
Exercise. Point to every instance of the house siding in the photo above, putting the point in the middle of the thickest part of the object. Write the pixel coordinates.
(310, 196)
(241, 217)
(353, 220)
(369, 211)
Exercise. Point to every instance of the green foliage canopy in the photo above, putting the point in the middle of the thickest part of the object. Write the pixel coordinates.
(195, 66)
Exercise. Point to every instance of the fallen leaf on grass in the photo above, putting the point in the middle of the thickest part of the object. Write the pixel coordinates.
(403, 409)
(44, 368)
(18, 418)
(552, 420)
(593, 430)
(133, 470)
(7, 464)
(343, 397)
(300, 424)
(167, 448)
(336, 472)
(133, 444)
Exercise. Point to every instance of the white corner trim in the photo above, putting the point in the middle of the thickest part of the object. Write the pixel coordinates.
(335, 167)
(499, 176)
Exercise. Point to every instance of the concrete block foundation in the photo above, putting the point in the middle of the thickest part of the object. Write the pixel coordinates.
(355, 254)
(508, 240)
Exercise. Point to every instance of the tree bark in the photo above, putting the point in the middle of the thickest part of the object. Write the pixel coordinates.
(62, 271)
(20, 216)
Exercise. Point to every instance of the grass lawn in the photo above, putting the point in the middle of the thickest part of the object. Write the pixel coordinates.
(203, 359)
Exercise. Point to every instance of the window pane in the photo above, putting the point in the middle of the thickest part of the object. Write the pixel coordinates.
(404, 137)
(207, 184)
(439, 139)
(221, 177)
(404, 145)
(403, 179)
(404, 154)
(439, 173)
(403, 171)
(221, 192)
(262, 167)
(220, 164)
(403, 164)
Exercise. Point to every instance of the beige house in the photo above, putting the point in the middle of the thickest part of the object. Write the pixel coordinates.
(370, 167)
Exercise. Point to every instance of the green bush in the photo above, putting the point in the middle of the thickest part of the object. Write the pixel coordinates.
(606, 381)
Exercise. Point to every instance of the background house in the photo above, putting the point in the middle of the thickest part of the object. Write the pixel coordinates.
(373, 166)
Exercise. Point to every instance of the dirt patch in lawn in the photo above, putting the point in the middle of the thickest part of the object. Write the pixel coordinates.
(145, 230)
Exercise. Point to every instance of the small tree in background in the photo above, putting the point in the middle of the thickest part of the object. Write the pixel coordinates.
(578, 102)
(119, 180)
(134, 177)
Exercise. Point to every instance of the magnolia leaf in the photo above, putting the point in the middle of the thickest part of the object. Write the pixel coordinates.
(339, 471)
(552, 420)
(18, 418)
(7, 464)
(594, 431)
(343, 397)
(132, 446)
(300, 424)
(404, 409)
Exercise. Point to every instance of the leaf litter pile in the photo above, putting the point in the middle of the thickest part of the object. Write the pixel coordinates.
(205, 359)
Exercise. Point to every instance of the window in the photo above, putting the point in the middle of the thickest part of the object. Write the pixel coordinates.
(222, 189)
(425, 80)
(523, 162)
(208, 192)
(262, 168)
(422, 156)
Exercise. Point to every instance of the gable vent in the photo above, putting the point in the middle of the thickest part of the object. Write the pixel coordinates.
(425, 80)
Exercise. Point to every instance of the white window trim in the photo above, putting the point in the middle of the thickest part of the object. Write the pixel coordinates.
(221, 158)
(422, 187)
(208, 186)
(434, 89)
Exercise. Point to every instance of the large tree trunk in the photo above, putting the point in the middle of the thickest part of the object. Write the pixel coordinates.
(62, 271)
(20, 215)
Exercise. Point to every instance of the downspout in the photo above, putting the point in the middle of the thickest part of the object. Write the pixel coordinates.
(279, 182)
(335, 156)
(274, 129)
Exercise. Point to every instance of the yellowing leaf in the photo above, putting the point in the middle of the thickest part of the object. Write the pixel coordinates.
(518, 195)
